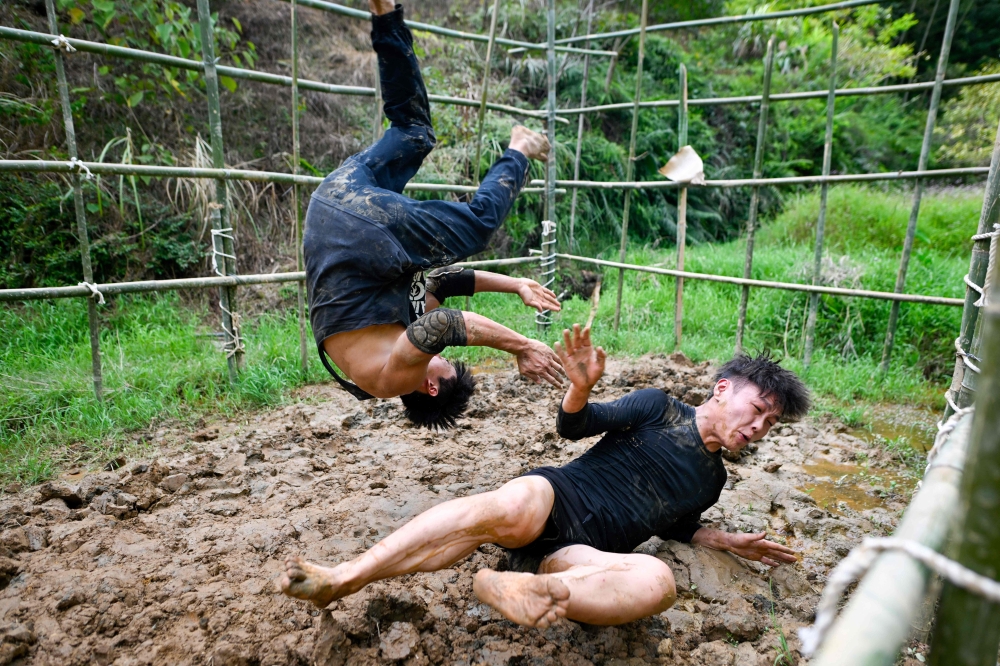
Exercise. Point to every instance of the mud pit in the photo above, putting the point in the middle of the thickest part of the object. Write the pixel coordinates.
(173, 560)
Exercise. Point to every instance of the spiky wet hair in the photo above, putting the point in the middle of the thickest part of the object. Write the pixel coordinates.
(775, 382)
(441, 411)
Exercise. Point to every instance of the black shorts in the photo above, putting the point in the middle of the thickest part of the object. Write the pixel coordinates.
(570, 523)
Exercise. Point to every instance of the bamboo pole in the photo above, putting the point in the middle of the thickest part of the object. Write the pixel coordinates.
(758, 168)
(535, 186)
(219, 213)
(967, 631)
(963, 384)
(245, 74)
(485, 90)
(448, 32)
(879, 616)
(821, 221)
(768, 284)
(296, 203)
(722, 20)
(789, 96)
(682, 202)
(630, 165)
(579, 134)
(93, 321)
(925, 151)
(548, 241)
(45, 293)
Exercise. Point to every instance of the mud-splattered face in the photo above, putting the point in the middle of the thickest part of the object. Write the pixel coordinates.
(744, 414)
(437, 370)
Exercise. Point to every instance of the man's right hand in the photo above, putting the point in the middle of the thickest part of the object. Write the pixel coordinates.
(532, 145)
(584, 364)
(539, 363)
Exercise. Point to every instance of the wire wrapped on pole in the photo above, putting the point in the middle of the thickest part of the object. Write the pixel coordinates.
(548, 267)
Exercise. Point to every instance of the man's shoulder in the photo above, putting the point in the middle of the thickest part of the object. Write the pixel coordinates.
(675, 412)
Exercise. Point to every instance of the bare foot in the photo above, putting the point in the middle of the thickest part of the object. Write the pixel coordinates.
(527, 599)
(532, 144)
(320, 585)
(379, 7)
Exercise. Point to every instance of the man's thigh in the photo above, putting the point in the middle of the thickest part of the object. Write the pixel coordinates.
(524, 505)
(579, 555)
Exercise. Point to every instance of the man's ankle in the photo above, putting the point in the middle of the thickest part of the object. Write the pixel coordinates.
(380, 7)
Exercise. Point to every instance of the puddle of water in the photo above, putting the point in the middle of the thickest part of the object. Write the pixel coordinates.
(916, 434)
(845, 484)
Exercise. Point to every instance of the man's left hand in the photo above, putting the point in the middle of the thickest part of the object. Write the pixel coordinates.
(756, 547)
(536, 296)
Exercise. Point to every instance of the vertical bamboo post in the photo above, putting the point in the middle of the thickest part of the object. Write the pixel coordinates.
(758, 169)
(299, 260)
(377, 119)
(821, 221)
(579, 131)
(219, 214)
(925, 150)
(542, 319)
(682, 205)
(485, 91)
(630, 165)
(81, 213)
(963, 384)
(967, 630)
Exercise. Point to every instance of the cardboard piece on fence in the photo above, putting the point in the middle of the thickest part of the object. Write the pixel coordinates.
(685, 167)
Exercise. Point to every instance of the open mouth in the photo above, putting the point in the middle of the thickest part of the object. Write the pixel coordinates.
(743, 439)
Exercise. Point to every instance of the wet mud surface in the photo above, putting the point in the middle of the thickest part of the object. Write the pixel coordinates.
(172, 559)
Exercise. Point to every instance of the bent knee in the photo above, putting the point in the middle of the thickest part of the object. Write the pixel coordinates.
(662, 589)
(523, 506)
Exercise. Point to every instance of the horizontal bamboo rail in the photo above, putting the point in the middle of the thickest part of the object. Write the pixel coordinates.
(764, 182)
(115, 288)
(788, 96)
(880, 615)
(535, 186)
(721, 20)
(767, 284)
(447, 32)
(99, 48)
(117, 169)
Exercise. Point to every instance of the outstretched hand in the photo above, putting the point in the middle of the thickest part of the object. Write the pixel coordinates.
(536, 296)
(584, 364)
(532, 145)
(754, 546)
(540, 364)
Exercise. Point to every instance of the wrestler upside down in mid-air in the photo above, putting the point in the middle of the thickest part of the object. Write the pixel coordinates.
(570, 531)
(369, 254)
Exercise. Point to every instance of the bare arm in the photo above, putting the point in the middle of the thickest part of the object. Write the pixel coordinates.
(748, 546)
(533, 294)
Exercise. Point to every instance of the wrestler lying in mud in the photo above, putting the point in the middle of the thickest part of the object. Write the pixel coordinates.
(570, 531)
(369, 252)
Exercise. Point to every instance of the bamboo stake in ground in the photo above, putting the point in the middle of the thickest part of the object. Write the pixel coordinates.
(485, 92)
(925, 151)
(682, 204)
(963, 384)
(967, 630)
(219, 214)
(549, 227)
(595, 298)
(93, 322)
(579, 133)
(630, 165)
(296, 205)
(758, 169)
(821, 221)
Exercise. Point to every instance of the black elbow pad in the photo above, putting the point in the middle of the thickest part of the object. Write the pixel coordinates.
(451, 281)
(436, 330)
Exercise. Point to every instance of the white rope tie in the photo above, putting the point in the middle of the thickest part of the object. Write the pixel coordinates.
(966, 356)
(233, 345)
(226, 232)
(547, 265)
(990, 266)
(857, 563)
(94, 292)
(62, 44)
(945, 428)
(80, 167)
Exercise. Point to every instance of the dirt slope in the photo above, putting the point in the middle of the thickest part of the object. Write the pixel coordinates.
(173, 560)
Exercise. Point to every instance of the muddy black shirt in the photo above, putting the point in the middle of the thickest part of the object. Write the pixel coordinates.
(649, 475)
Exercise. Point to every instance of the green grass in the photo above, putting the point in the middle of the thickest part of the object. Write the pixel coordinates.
(159, 365)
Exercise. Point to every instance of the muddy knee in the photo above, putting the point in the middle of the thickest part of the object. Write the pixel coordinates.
(522, 507)
(663, 589)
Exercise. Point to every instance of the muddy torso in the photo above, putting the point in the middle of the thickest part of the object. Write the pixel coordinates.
(649, 475)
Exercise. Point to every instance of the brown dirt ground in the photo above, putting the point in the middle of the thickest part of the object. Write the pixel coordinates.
(172, 560)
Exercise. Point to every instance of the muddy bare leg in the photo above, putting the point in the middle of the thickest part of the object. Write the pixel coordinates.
(512, 516)
(380, 7)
